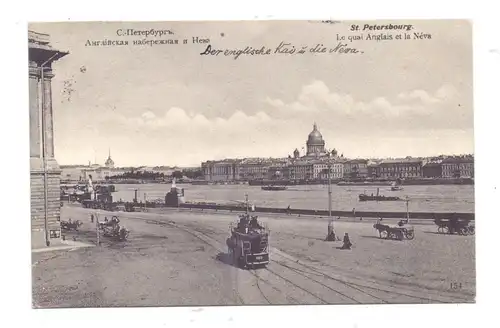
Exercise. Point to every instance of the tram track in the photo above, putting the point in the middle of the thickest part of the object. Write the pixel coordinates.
(359, 288)
(406, 288)
(355, 286)
(303, 274)
(259, 288)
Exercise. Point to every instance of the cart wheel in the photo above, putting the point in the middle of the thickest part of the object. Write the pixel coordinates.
(410, 234)
(384, 234)
(441, 230)
(445, 230)
(472, 231)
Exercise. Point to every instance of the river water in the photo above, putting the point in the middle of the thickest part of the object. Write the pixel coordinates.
(439, 198)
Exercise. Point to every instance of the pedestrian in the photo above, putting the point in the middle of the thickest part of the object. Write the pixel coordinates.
(347, 242)
(92, 218)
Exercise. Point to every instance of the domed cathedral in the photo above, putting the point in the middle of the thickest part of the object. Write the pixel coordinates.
(315, 143)
(109, 162)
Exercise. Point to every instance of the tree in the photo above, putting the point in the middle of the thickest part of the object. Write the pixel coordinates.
(177, 174)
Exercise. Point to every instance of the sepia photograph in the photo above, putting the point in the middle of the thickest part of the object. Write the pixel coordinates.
(272, 162)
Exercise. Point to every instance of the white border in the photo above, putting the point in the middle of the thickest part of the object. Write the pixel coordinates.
(16, 266)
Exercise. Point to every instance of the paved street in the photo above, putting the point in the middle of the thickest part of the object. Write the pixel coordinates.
(178, 258)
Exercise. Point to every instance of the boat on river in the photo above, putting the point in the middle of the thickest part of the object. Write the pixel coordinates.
(396, 186)
(364, 197)
(274, 188)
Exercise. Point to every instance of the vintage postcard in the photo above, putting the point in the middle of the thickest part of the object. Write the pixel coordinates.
(251, 163)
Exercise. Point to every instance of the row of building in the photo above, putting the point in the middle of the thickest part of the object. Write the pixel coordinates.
(317, 163)
(73, 173)
(276, 169)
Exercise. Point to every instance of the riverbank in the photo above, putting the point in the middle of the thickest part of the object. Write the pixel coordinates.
(366, 182)
(265, 182)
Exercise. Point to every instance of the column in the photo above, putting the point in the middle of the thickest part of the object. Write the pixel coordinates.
(35, 130)
(49, 130)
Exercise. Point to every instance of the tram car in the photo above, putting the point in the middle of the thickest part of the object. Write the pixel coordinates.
(248, 246)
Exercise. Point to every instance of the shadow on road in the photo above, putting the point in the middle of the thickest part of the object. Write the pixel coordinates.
(373, 237)
(224, 258)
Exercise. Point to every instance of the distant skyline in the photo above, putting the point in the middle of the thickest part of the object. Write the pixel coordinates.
(237, 158)
(167, 105)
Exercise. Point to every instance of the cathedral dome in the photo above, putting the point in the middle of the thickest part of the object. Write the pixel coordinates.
(315, 137)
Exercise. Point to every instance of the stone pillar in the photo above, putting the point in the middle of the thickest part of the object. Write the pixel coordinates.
(35, 129)
(49, 126)
(45, 172)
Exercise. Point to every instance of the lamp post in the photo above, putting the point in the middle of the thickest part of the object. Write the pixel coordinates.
(329, 190)
(246, 203)
(407, 200)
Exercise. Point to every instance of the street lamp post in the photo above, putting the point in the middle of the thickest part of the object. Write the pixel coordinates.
(329, 191)
(407, 200)
(246, 203)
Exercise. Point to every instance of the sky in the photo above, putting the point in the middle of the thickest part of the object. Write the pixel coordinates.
(168, 105)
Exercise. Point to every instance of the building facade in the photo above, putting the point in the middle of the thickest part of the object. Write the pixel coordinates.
(336, 171)
(432, 170)
(458, 167)
(301, 170)
(372, 170)
(356, 169)
(399, 168)
(45, 174)
(254, 168)
(226, 170)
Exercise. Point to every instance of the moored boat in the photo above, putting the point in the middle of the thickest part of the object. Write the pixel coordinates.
(274, 188)
(396, 186)
(364, 198)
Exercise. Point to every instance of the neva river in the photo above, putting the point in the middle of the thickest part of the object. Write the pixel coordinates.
(450, 198)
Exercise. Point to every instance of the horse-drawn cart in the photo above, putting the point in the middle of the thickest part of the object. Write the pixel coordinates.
(399, 232)
(454, 225)
(71, 225)
(113, 229)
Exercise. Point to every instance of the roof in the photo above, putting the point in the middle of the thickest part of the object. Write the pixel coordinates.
(455, 160)
(432, 164)
(401, 161)
(357, 161)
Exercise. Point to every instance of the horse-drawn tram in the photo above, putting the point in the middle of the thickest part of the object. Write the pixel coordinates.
(248, 245)
(455, 225)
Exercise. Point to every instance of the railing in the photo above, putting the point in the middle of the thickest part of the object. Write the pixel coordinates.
(363, 214)
(309, 212)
